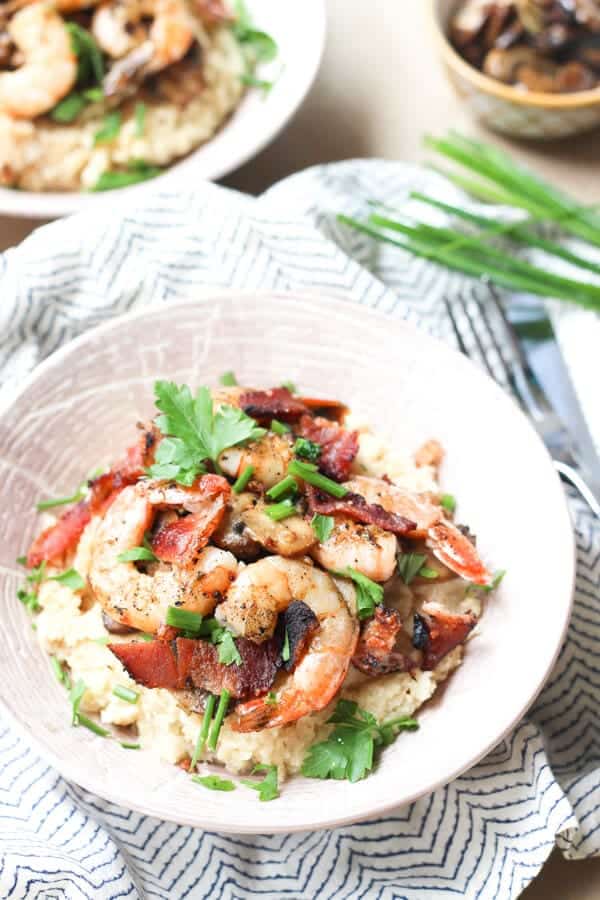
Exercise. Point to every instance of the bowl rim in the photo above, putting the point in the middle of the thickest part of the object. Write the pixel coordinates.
(56, 204)
(576, 100)
(208, 295)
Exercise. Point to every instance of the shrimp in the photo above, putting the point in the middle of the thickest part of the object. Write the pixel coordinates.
(49, 71)
(141, 600)
(259, 594)
(444, 539)
(120, 30)
(270, 457)
(367, 548)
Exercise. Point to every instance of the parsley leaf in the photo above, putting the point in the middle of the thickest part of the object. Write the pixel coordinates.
(71, 579)
(194, 431)
(369, 594)
(28, 599)
(322, 527)
(214, 783)
(448, 501)
(409, 565)
(349, 750)
(268, 788)
(228, 651)
(137, 553)
(68, 109)
(228, 379)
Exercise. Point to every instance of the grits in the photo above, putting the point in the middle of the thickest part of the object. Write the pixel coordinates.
(69, 627)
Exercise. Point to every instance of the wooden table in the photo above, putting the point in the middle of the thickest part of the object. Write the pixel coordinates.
(379, 90)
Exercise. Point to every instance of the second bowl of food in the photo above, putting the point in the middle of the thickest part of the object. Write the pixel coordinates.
(261, 597)
(529, 68)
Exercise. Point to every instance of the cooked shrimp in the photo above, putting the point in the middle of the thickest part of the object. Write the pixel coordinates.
(445, 540)
(288, 537)
(260, 593)
(141, 600)
(49, 71)
(120, 28)
(367, 548)
(270, 457)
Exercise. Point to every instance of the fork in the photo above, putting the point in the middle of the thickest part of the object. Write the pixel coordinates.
(476, 336)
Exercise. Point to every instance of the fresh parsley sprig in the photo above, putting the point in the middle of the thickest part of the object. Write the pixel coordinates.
(349, 751)
(369, 594)
(194, 432)
(268, 788)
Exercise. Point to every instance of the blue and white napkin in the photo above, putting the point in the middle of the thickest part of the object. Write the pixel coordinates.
(488, 833)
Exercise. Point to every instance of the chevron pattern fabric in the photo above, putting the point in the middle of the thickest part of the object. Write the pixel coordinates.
(488, 833)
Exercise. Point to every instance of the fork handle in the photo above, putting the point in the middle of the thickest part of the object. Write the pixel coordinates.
(568, 473)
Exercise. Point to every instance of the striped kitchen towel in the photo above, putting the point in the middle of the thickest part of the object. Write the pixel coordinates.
(487, 834)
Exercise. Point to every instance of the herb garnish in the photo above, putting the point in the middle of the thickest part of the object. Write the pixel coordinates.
(271, 698)
(306, 449)
(285, 650)
(79, 494)
(410, 565)
(58, 670)
(184, 619)
(127, 745)
(110, 128)
(268, 788)
(71, 579)
(279, 427)
(140, 119)
(289, 386)
(287, 485)
(125, 693)
(279, 511)
(90, 71)
(203, 734)
(136, 554)
(428, 572)
(322, 527)
(243, 480)
(228, 379)
(487, 588)
(349, 750)
(257, 46)
(194, 432)
(369, 594)
(448, 502)
(214, 783)
(228, 651)
(137, 170)
(308, 472)
(218, 719)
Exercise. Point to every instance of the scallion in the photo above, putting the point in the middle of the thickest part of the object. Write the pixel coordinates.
(203, 734)
(309, 473)
(218, 719)
(184, 619)
(287, 485)
(279, 427)
(242, 482)
(228, 379)
(279, 511)
(126, 693)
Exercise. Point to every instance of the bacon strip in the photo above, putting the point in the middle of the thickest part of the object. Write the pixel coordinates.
(61, 537)
(330, 409)
(446, 631)
(338, 446)
(356, 507)
(189, 662)
(105, 488)
(375, 652)
(180, 540)
(276, 403)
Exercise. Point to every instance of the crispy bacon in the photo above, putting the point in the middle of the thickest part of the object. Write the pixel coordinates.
(376, 652)
(330, 409)
(188, 662)
(130, 469)
(356, 507)
(61, 537)
(181, 539)
(276, 403)
(445, 632)
(338, 446)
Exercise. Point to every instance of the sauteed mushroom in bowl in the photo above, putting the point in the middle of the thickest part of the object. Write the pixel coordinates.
(530, 68)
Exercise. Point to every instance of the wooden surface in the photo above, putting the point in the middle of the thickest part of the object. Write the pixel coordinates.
(380, 88)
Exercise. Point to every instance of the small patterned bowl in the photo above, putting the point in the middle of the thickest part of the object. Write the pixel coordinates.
(505, 108)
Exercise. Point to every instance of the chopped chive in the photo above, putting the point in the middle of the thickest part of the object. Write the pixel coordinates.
(140, 119)
(145, 637)
(71, 579)
(242, 482)
(322, 527)
(271, 697)
(308, 472)
(38, 573)
(279, 511)
(75, 695)
(22, 560)
(91, 725)
(218, 719)
(206, 718)
(309, 450)
(279, 427)
(126, 745)
(448, 501)
(102, 641)
(283, 487)
(110, 128)
(29, 600)
(214, 783)
(62, 501)
(184, 619)
(289, 386)
(125, 693)
(58, 670)
(426, 572)
(285, 650)
(135, 554)
(228, 379)
(409, 565)
(487, 588)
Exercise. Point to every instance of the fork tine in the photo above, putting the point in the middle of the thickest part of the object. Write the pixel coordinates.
(507, 368)
(475, 334)
(459, 338)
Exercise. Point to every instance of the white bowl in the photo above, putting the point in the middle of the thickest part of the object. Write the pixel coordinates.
(79, 407)
(300, 35)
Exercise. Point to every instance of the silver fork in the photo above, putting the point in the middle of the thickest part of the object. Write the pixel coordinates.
(477, 324)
